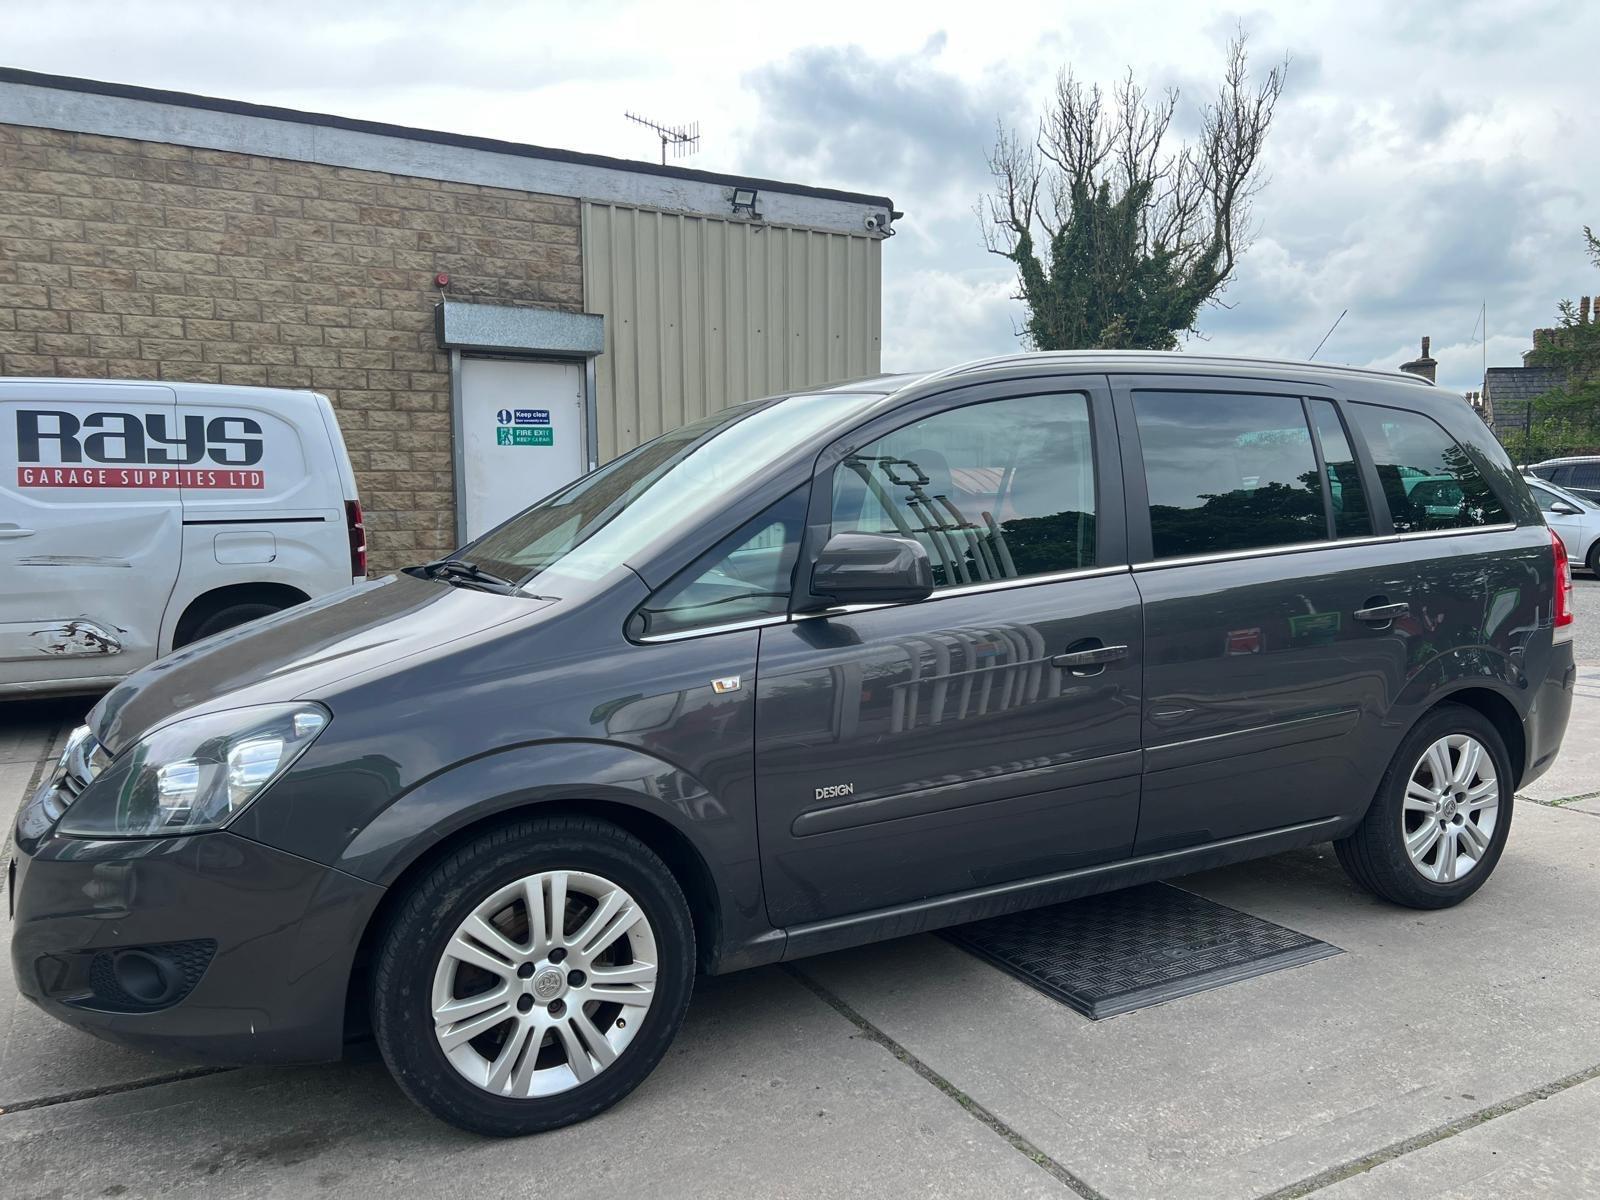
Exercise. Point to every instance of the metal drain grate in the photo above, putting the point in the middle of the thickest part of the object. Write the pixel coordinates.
(1110, 954)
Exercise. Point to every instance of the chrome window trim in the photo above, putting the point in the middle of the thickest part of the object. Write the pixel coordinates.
(972, 589)
(1002, 585)
(1502, 527)
(1189, 560)
(1157, 564)
(708, 630)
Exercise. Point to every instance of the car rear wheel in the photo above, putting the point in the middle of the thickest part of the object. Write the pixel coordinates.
(1439, 822)
(534, 977)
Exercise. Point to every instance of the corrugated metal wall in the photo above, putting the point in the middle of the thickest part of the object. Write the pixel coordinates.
(702, 313)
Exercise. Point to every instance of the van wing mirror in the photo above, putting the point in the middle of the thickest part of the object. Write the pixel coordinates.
(871, 568)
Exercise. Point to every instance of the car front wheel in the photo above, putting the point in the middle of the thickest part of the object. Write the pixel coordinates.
(534, 977)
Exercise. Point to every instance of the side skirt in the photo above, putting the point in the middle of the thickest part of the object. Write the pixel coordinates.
(839, 933)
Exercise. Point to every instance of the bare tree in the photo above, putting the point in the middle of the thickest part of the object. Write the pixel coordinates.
(1117, 238)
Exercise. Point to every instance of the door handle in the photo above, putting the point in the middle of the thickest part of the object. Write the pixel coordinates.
(13, 531)
(1097, 657)
(1379, 613)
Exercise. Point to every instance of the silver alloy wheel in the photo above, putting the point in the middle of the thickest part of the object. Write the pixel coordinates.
(1451, 805)
(545, 984)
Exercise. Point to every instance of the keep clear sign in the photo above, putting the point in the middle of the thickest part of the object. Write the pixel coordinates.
(524, 427)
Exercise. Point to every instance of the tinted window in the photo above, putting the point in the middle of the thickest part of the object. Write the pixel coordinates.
(1546, 500)
(1427, 478)
(1586, 475)
(993, 491)
(1228, 472)
(1350, 515)
(747, 576)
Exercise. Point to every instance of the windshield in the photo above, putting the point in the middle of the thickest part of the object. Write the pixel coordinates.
(607, 518)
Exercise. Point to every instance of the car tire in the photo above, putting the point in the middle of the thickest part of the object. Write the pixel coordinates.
(543, 1052)
(1593, 559)
(1427, 843)
(229, 617)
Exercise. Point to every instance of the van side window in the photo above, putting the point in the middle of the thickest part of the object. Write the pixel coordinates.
(1000, 490)
(1427, 478)
(746, 576)
(1350, 515)
(1228, 472)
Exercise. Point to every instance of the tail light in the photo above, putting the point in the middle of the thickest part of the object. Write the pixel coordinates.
(358, 539)
(1563, 606)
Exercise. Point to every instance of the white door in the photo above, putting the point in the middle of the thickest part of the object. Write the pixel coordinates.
(522, 435)
(90, 528)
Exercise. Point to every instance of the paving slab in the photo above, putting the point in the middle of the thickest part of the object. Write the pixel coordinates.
(1547, 1148)
(1240, 1091)
(767, 1092)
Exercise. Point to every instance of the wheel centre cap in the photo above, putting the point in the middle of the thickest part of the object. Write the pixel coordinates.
(548, 984)
(1449, 809)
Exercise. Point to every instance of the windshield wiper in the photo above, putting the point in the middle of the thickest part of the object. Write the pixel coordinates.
(454, 569)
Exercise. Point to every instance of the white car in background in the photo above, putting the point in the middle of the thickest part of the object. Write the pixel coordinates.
(1575, 519)
(137, 517)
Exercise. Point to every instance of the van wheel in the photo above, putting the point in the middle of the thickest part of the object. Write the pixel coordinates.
(1438, 824)
(534, 977)
(227, 618)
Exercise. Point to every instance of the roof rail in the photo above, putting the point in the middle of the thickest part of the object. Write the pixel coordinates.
(1166, 356)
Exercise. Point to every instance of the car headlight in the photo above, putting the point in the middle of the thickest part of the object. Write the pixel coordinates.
(193, 775)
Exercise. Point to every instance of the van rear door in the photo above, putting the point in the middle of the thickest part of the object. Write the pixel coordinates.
(90, 529)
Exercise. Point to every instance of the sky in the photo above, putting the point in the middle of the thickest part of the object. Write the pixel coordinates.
(1427, 159)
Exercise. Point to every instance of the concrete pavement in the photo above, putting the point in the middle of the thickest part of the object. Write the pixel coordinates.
(1453, 1053)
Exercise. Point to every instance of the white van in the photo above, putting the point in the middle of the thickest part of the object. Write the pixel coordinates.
(136, 517)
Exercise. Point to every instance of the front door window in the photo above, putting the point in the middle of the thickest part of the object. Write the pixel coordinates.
(1001, 490)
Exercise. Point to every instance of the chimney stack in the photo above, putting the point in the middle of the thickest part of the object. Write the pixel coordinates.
(1425, 365)
(1583, 310)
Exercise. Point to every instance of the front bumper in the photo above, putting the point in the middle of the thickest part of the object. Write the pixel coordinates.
(269, 941)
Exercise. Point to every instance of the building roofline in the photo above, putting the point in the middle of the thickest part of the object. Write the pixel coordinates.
(242, 108)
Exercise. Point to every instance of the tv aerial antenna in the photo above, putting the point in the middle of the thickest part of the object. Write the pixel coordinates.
(684, 139)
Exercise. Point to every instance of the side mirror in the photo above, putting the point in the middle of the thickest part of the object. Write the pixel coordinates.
(1562, 508)
(871, 568)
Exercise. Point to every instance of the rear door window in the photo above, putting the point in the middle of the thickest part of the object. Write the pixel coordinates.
(1427, 476)
(1228, 472)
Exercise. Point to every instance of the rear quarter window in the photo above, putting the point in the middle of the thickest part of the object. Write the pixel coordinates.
(1428, 478)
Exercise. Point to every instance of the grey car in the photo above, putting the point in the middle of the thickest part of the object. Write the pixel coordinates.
(810, 672)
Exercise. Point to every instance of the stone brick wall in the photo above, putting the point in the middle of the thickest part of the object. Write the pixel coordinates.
(143, 260)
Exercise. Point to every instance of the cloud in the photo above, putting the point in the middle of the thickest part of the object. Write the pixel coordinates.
(903, 122)
(933, 318)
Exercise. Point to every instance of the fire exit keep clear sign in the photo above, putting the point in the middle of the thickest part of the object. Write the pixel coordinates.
(523, 435)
